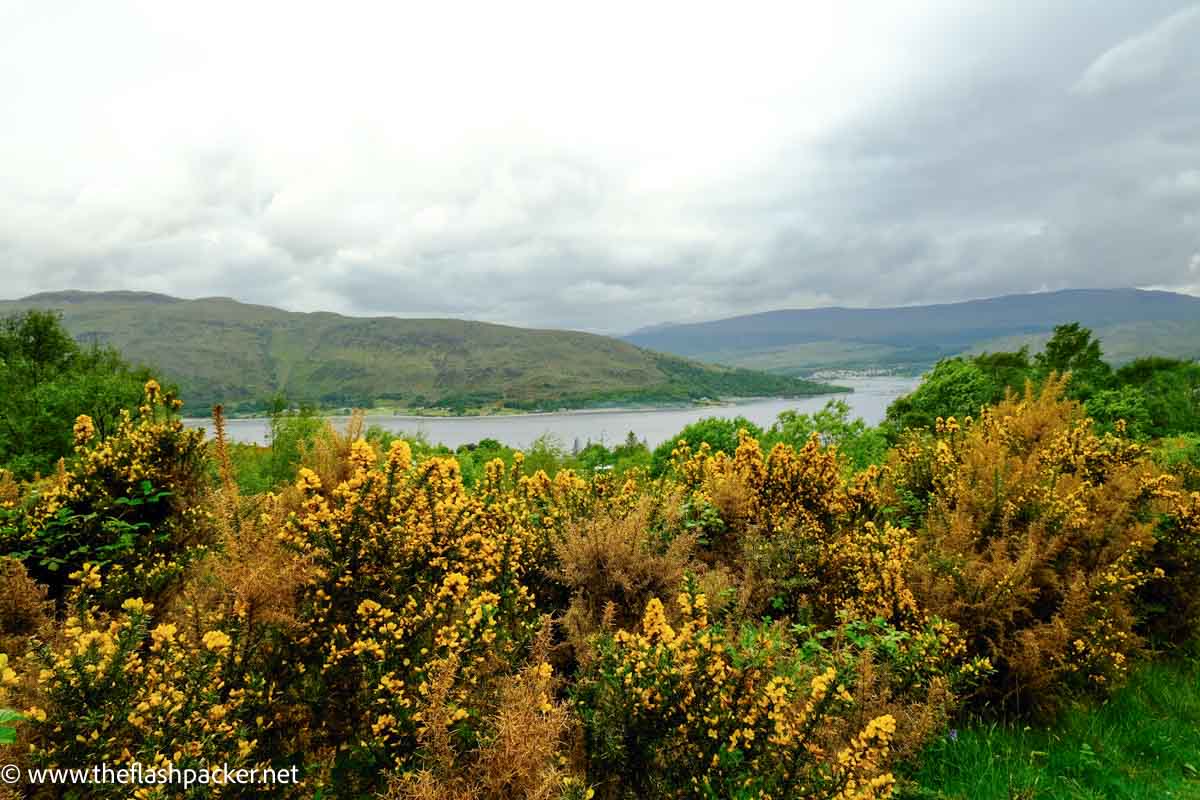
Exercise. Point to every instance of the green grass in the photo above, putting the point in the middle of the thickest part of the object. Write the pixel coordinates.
(1144, 742)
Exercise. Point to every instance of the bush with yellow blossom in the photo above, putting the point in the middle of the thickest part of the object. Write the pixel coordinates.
(383, 626)
(119, 688)
(1168, 602)
(124, 515)
(1032, 532)
(410, 573)
(701, 708)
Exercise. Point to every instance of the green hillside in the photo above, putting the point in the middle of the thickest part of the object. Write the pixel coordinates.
(1130, 322)
(220, 350)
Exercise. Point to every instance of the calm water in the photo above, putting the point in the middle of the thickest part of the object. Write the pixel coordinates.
(869, 400)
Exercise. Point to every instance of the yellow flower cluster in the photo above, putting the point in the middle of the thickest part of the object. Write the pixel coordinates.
(84, 430)
(119, 692)
(1034, 533)
(133, 496)
(8, 678)
(738, 705)
(413, 573)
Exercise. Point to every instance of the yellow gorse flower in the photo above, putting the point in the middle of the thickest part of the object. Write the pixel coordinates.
(217, 641)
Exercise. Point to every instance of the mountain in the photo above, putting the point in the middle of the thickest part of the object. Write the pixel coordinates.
(1129, 322)
(220, 350)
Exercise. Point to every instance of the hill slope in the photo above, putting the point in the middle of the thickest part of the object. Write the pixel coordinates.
(1130, 322)
(220, 350)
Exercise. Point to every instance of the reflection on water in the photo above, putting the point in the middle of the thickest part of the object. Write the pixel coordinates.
(869, 400)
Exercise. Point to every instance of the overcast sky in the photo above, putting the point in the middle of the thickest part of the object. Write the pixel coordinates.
(598, 166)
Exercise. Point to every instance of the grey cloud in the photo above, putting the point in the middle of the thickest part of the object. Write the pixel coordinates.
(1044, 146)
(1165, 52)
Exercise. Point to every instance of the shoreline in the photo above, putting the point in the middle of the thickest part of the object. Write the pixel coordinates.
(411, 414)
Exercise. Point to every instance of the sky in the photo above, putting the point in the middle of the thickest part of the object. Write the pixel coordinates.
(598, 167)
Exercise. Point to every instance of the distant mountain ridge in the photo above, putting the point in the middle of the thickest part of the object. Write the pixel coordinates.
(797, 341)
(220, 350)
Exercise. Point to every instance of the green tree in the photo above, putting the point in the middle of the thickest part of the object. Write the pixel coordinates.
(720, 433)
(860, 444)
(1073, 349)
(1170, 392)
(1126, 404)
(956, 387)
(46, 381)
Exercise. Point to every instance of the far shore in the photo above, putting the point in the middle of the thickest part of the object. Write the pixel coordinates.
(444, 414)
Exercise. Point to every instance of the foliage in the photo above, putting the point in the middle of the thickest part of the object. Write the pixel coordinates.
(394, 619)
(522, 752)
(291, 431)
(24, 611)
(1169, 600)
(628, 455)
(1152, 397)
(615, 562)
(411, 574)
(1170, 392)
(860, 444)
(1180, 455)
(1032, 537)
(161, 695)
(124, 516)
(956, 387)
(1074, 350)
(46, 381)
(1140, 744)
(1120, 410)
(699, 710)
(720, 434)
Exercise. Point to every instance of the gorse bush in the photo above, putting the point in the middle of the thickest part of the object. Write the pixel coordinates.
(1169, 599)
(704, 710)
(751, 622)
(48, 381)
(1033, 532)
(119, 689)
(523, 746)
(410, 573)
(126, 515)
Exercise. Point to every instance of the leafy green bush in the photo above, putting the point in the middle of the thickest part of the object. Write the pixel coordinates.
(860, 444)
(705, 709)
(126, 513)
(46, 381)
(719, 433)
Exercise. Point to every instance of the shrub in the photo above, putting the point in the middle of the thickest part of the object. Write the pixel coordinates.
(117, 689)
(24, 612)
(523, 748)
(1169, 600)
(721, 436)
(1032, 532)
(857, 443)
(1180, 455)
(702, 710)
(410, 574)
(801, 537)
(613, 563)
(125, 514)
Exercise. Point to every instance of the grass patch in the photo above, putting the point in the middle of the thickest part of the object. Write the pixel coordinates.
(1144, 742)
